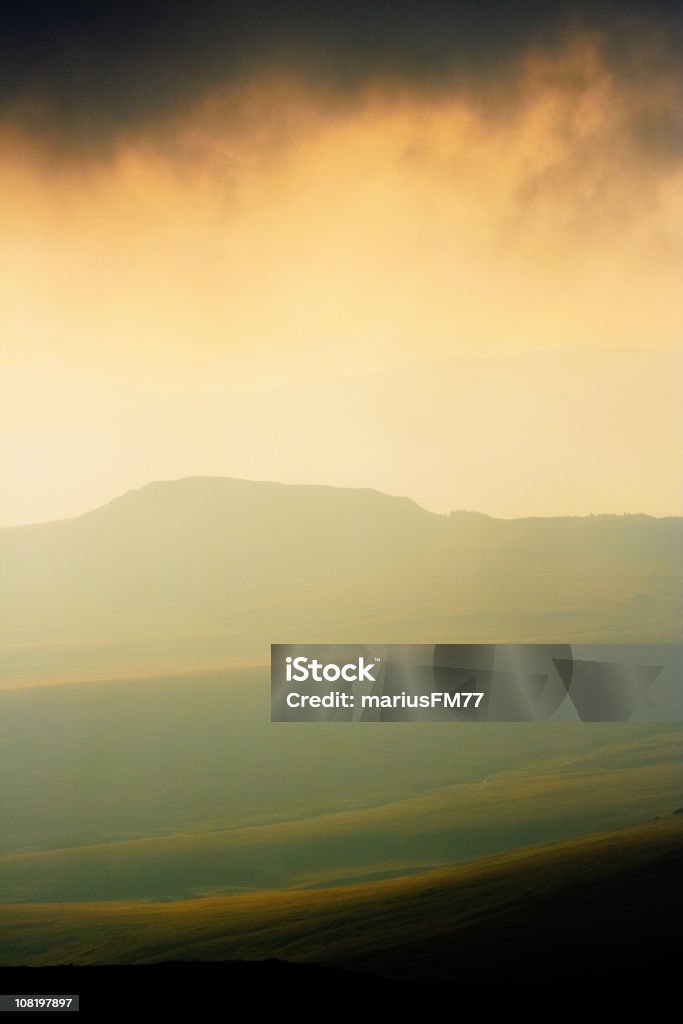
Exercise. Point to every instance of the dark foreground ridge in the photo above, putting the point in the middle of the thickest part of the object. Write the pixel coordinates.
(614, 936)
(619, 973)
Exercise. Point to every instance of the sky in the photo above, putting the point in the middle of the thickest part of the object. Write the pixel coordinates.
(215, 213)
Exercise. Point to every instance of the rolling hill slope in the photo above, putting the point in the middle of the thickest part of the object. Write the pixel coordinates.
(580, 904)
(153, 771)
(614, 785)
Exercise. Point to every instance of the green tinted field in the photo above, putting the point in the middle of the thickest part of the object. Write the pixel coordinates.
(343, 832)
(392, 926)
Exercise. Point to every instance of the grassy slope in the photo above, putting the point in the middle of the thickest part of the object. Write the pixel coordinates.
(411, 926)
(209, 573)
(558, 797)
(83, 764)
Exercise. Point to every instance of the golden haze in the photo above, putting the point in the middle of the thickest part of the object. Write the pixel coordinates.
(273, 235)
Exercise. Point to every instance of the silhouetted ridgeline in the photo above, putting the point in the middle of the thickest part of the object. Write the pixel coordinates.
(211, 571)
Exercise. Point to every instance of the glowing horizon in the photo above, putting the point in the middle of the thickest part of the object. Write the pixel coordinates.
(271, 234)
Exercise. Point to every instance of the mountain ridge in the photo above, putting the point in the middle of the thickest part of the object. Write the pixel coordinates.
(184, 483)
(212, 570)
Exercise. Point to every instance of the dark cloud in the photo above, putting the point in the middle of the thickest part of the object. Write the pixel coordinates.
(85, 70)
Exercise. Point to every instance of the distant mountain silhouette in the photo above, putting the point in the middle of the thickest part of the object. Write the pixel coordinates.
(211, 570)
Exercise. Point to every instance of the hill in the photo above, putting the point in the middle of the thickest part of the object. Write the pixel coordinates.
(153, 771)
(564, 911)
(208, 572)
(319, 809)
